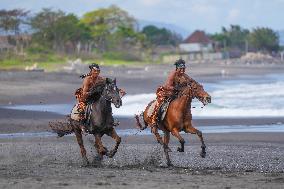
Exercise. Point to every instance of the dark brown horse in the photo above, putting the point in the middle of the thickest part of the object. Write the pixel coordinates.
(101, 121)
(178, 118)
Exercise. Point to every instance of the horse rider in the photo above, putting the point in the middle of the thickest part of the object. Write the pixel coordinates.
(176, 79)
(91, 80)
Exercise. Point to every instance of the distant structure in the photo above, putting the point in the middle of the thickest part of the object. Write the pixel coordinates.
(15, 43)
(5, 45)
(198, 41)
(197, 47)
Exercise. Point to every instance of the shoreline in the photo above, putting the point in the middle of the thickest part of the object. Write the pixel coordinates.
(12, 121)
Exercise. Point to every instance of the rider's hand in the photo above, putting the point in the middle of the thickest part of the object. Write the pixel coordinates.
(122, 92)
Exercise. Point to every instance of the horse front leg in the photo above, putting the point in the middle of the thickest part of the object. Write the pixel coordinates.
(78, 134)
(190, 129)
(117, 139)
(175, 133)
(99, 146)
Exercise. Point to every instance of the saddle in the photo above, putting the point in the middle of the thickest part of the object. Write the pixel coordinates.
(163, 109)
(75, 113)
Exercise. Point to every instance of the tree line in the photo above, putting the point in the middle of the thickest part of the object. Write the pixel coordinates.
(259, 39)
(112, 31)
(103, 31)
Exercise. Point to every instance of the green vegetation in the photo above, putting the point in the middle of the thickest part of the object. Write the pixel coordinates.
(161, 36)
(43, 61)
(259, 39)
(108, 35)
(264, 39)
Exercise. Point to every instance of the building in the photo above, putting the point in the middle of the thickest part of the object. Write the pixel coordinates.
(198, 41)
(198, 46)
(15, 43)
(5, 45)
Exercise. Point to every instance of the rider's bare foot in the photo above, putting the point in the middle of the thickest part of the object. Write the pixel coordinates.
(116, 123)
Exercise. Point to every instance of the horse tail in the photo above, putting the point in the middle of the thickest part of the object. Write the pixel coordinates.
(139, 119)
(61, 128)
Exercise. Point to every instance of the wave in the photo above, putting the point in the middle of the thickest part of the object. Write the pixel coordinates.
(237, 98)
(228, 100)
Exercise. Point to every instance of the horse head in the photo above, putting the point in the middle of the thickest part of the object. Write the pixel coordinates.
(111, 92)
(199, 93)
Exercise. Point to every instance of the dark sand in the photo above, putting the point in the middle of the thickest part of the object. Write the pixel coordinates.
(234, 160)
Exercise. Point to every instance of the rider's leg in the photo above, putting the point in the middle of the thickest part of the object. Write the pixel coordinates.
(159, 100)
(82, 115)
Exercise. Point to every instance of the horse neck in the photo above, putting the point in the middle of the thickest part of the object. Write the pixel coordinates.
(102, 104)
(184, 101)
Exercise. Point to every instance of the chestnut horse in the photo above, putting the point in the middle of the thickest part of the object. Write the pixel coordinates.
(101, 121)
(178, 118)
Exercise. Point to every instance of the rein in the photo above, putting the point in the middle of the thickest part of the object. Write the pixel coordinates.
(192, 94)
(182, 93)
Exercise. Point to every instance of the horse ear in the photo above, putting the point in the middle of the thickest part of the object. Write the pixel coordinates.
(108, 80)
(114, 81)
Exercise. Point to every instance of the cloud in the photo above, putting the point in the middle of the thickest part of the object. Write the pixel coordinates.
(233, 15)
(150, 2)
(202, 8)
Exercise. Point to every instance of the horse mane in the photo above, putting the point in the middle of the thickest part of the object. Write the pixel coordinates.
(182, 89)
(194, 88)
(96, 92)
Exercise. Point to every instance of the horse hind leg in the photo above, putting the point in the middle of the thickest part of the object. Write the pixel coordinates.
(193, 130)
(114, 135)
(79, 138)
(159, 139)
(175, 133)
(166, 147)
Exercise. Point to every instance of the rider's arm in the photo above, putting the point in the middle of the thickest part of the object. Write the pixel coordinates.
(169, 84)
(86, 84)
(191, 81)
(122, 92)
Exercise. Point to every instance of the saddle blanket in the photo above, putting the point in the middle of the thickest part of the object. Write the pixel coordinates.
(162, 110)
(151, 108)
(75, 113)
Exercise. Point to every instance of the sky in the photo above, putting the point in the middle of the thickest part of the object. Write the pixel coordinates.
(207, 15)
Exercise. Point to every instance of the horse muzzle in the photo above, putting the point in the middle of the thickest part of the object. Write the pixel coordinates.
(206, 100)
(118, 103)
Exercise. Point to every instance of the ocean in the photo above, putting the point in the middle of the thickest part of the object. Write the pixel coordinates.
(246, 96)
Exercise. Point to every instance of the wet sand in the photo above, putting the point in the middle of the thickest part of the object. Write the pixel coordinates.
(234, 160)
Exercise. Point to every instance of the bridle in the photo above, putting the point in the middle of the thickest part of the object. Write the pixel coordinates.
(106, 93)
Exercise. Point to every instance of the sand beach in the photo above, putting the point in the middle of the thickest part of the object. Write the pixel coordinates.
(234, 159)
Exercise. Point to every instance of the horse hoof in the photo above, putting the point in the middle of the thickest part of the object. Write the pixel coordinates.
(111, 154)
(203, 154)
(169, 164)
(85, 162)
(98, 158)
(180, 150)
(103, 151)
